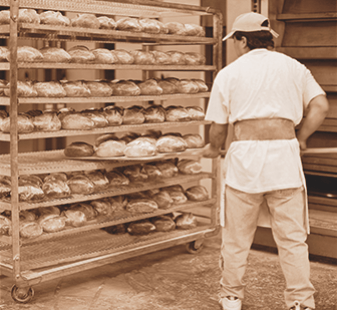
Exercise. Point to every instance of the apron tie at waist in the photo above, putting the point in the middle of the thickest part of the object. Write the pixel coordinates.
(264, 129)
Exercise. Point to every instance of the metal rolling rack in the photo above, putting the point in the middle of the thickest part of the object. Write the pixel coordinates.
(32, 261)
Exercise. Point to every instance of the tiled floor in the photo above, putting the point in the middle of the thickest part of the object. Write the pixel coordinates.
(171, 279)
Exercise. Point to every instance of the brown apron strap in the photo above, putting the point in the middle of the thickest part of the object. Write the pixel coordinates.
(264, 129)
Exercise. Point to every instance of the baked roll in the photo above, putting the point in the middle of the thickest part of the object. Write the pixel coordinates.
(97, 116)
(135, 173)
(111, 148)
(30, 229)
(85, 21)
(54, 18)
(189, 166)
(195, 113)
(186, 221)
(197, 193)
(100, 181)
(164, 223)
(141, 205)
(81, 184)
(74, 218)
(167, 168)
(51, 223)
(163, 200)
(86, 208)
(56, 189)
(134, 115)
(186, 86)
(167, 87)
(55, 54)
(177, 114)
(117, 178)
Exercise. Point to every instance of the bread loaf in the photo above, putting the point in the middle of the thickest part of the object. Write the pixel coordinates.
(123, 56)
(167, 168)
(125, 88)
(164, 223)
(197, 193)
(167, 87)
(25, 124)
(163, 200)
(177, 114)
(152, 172)
(74, 218)
(176, 28)
(97, 116)
(150, 25)
(56, 176)
(24, 89)
(141, 147)
(28, 54)
(81, 184)
(194, 30)
(51, 223)
(56, 189)
(111, 148)
(5, 226)
(79, 149)
(76, 89)
(161, 58)
(188, 166)
(86, 208)
(85, 21)
(4, 53)
(99, 88)
(186, 86)
(28, 16)
(171, 144)
(143, 57)
(186, 221)
(102, 206)
(106, 22)
(118, 203)
(117, 178)
(177, 58)
(114, 115)
(129, 24)
(116, 229)
(141, 206)
(201, 85)
(135, 173)
(195, 113)
(48, 121)
(52, 89)
(76, 121)
(133, 115)
(155, 114)
(25, 215)
(30, 229)
(54, 54)
(5, 188)
(142, 227)
(194, 140)
(81, 54)
(49, 210)
(104, 56)
(54, 18)
(194, 59)
(150, 87)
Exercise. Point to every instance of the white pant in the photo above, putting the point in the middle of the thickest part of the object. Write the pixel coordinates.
(286, 208)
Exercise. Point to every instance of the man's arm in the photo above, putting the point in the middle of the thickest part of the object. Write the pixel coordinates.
(217, 136)
(317, 111)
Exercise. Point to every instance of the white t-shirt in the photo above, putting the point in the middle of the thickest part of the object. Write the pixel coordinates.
(262, 84)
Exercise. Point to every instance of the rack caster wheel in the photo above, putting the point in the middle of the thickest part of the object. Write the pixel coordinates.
(22, 295)
(195, 247)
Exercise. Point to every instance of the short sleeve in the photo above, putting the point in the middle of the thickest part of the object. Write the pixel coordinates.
(217, 110)
(311, 88)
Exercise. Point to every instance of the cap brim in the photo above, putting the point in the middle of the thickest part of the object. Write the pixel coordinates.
(228, 36)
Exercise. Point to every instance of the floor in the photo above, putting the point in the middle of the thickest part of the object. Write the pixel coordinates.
(172, 279)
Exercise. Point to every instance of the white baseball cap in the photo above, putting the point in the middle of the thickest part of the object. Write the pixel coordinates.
(250, 22)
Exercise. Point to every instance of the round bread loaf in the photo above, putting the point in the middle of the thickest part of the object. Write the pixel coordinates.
(55, 54)
(54, 18)
(106, 22)
(171, 144)
(86, 21)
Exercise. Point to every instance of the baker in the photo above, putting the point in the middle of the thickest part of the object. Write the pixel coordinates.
(264, 94)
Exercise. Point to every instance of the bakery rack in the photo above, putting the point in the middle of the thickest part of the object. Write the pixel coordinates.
(52, 255)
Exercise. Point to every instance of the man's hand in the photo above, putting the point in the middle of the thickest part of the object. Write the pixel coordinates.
(210, 152)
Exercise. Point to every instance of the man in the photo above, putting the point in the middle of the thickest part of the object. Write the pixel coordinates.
(263, 94)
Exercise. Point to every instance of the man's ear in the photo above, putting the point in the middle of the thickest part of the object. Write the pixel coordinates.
(244, 42)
